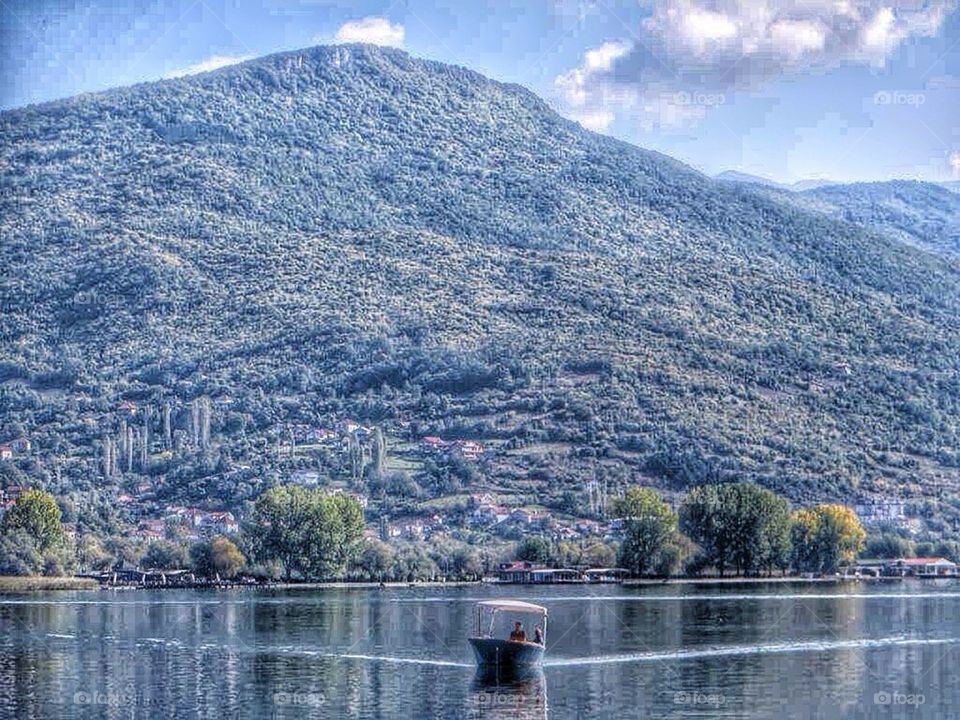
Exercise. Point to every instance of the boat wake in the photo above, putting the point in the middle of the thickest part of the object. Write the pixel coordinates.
(736, 650)
(385, 658)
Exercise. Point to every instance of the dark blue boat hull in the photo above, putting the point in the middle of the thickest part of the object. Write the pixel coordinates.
(506, 653)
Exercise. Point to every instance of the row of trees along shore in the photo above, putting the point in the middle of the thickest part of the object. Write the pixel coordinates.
(734, 528)
(297, 533)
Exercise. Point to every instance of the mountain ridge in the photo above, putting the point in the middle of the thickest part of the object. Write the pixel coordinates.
(351, 231)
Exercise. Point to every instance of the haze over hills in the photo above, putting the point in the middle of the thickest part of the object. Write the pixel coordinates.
(921, 214)
(799, 186)
(351, 232)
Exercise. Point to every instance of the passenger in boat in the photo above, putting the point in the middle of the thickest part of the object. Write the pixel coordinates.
(518, 635)
(538, 635)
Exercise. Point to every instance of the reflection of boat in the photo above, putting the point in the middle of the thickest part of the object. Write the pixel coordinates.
(511, 693)
(506, 653)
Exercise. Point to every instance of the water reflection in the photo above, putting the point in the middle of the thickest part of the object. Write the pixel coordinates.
(650, 652)
(518, 694)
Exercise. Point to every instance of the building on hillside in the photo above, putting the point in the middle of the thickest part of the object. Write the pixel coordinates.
(307, 478)
(529, 518)
(6, 452)
(432, 443)
(882, 511)
(489, 515)
(221, 523)
(468, 449)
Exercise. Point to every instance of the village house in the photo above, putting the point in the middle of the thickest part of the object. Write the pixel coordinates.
(6, 452)
(432, 443)
(489, 515)
(880, 512)
(480, 499)
(528, 518)
(151, 529)
(221, 523)
(307, 478)
(468, 449)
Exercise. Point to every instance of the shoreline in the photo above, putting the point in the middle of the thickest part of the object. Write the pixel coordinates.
(639, 582)
(19, 584)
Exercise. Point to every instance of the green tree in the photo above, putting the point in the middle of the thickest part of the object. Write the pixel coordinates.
(217, 558)
(165, 555)
(37, 514)
(649, 525)
(535, 549)
(738, 525)
(375, 561)
(90, 553)
(313, 533)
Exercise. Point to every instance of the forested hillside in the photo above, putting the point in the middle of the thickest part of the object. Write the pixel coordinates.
(351, 232)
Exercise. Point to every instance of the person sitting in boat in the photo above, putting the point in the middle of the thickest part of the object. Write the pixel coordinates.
(538, 635)
(518, 635)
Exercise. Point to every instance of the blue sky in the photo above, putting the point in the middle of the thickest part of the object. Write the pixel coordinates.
(790, 89)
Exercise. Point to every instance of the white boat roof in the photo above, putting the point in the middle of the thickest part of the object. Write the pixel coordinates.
(515, 605)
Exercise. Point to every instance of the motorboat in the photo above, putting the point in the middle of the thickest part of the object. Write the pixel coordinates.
(507, 653)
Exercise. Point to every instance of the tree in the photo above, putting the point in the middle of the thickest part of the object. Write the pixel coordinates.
(217, 558)
(164, 555)
(37, 514)
(313, 533)
(91, 555)
(825, 536)
(375, 561)
(18, 554)
(535, 549)
(739, 525)
(648, 527)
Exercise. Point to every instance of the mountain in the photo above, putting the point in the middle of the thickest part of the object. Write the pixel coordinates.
(350, 232)
(747, 178)
(953, 186)
(922, 214)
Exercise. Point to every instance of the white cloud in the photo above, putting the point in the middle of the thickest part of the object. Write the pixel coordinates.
(375, 30)
(211, 63)
(579, 92)
(705, 47)
(701, 29)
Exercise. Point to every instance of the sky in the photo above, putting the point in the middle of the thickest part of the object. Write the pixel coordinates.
(791, 90)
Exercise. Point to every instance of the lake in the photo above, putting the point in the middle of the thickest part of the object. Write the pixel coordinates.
(856, 650)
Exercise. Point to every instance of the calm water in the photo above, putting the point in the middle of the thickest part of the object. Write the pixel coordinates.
(767, 651)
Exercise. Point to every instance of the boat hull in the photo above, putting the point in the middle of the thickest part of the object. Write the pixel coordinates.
(505, 653)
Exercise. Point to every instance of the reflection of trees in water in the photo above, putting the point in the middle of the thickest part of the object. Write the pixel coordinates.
(499, 693)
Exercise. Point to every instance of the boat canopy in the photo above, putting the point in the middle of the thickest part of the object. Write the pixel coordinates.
(513, 605)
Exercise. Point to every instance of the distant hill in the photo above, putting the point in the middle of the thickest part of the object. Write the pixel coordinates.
(799, 186)
(352, 232)
(953, 186)
(922, 214)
